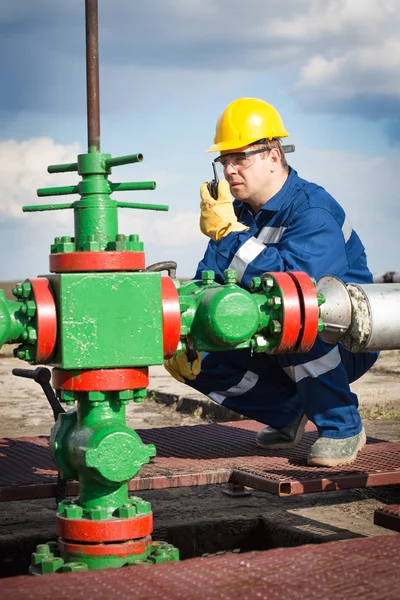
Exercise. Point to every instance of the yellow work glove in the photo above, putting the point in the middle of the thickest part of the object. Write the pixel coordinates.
(179, 367)
(217, 217)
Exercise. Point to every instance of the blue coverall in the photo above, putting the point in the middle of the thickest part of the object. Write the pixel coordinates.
(301, 228)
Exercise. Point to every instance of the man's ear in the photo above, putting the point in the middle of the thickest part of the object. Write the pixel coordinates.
(275, 158)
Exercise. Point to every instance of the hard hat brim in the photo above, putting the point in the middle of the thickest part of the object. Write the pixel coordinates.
(234, 145)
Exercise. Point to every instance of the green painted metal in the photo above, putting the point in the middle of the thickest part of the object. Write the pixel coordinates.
(91, 443)
(43, 207)
(13, 320)
(220, 317)
(108, 320)
(95, 214)
(47, 559)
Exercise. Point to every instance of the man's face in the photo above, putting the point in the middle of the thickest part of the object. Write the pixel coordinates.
(248, 176)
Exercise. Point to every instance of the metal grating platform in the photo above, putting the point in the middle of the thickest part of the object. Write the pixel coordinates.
(388, 516)
(207, 454)
(352, 569)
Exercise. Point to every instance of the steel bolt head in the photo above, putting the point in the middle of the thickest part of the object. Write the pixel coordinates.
(74, 566)
(43, 549)
(277, 301)
(125, 395)
(139, 395)
(127, 511)
(261, 343)
(98, 513)
(32, 335)
(62, 505)
(51, 565)
(37, 557)
(255, 284)
(26, 289)
(230, 276)
(142, 506)
(267, 284)
(275, 326)
(73, 511)
(23, 309)
(208, 276)
(31, 308)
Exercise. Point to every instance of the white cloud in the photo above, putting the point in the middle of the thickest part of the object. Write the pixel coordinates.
(366, 70)
(23, 169)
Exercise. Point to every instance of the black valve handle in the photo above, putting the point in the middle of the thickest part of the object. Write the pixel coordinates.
(42, 376)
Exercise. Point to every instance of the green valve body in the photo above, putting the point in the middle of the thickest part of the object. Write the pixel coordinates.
(103, 314)
(108, 320)
(99, 318)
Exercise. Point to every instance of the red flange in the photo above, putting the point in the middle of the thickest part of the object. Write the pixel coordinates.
(171, 316)
(85, 530)
(101, 380)
(73, 262)
(309, 309)
(291, 312)
(46, 319)
(130, 548)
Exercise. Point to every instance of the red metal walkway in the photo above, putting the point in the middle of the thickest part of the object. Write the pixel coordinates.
(388, 516)
(207, 454)
(350, 570)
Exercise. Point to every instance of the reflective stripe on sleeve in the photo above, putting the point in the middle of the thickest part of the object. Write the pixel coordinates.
(247, 382)
(347, 230)
(271, 235)
(245, 255)
(316, 367)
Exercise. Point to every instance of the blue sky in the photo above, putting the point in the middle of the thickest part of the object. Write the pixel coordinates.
(168, 68)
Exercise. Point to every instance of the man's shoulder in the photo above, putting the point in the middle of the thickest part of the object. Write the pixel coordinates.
(312, 195)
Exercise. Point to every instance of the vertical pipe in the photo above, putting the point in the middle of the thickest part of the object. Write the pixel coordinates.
(92, 75)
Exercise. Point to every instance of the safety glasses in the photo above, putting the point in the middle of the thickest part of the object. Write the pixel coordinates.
(239, 160)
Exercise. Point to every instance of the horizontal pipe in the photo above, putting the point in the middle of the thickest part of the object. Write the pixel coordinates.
(376, 317)
(123, 160)
(58, 191)
(43, 207)
(62, 168)
(128, 186)
(143, 206)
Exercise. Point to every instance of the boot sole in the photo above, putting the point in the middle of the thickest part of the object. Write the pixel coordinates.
(320, 461)
(283, 445)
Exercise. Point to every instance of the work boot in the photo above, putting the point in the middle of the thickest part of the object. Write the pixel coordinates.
(330, 452)
(282, 438)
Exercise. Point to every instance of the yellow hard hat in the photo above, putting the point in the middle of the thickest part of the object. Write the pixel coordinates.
(244, 121)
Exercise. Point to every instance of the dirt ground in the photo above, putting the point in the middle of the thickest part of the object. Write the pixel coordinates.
(24, 410)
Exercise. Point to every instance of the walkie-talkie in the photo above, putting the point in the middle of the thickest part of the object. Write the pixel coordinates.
(213, 185)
